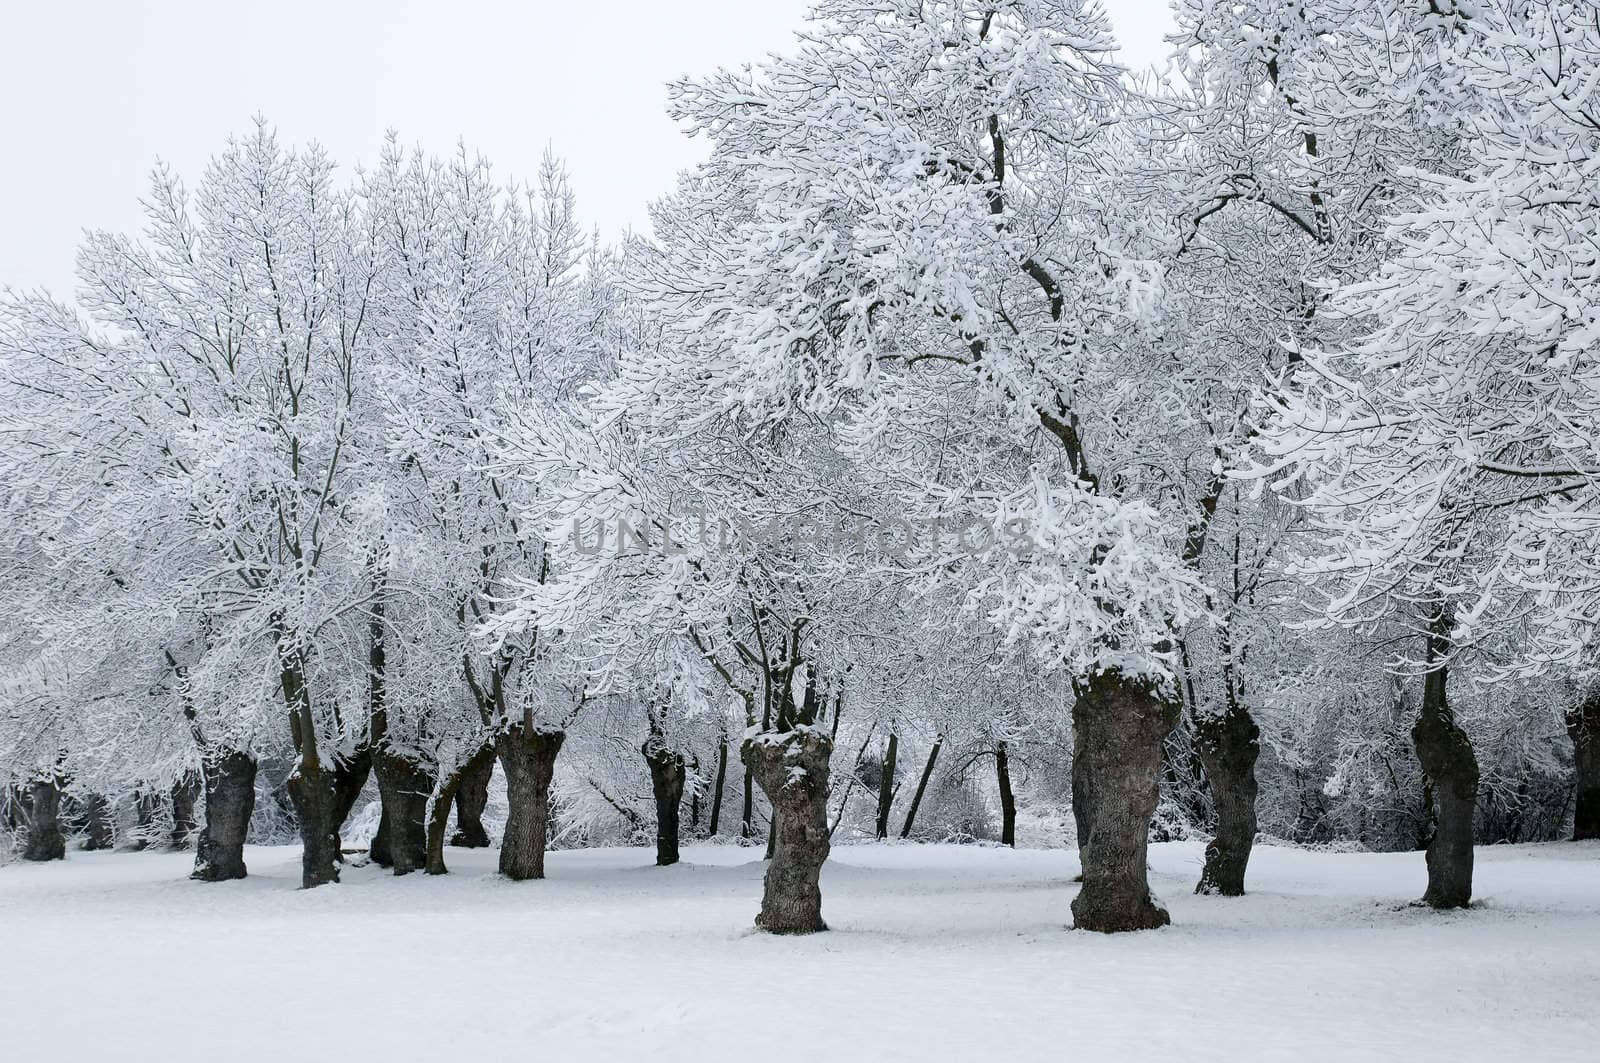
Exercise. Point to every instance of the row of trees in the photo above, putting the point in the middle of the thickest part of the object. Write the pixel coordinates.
(969, 390)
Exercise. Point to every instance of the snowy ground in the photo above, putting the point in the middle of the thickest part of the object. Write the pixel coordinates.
(938, 952)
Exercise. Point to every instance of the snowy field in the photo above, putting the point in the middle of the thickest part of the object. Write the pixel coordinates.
(938, 952)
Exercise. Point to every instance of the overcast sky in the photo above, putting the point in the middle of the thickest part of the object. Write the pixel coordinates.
(93, 91)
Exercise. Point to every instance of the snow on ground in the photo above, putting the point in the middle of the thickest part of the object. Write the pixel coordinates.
(937, 952)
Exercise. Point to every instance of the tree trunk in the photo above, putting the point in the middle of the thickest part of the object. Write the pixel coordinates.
(230, 788)
(792, 770)
(97, 814)
(1583, 725)
(886, 785)
(147, 806)
(695, 793)
(528, 758)
(1228, 744)
(922, 787)
(1120, 728)
(378, 849)
(1451, 770)
(349, 778)
(716, 792)
(185, 792)
(404, 786)
(317, 792)
(439, 809)
(747, 825)
(316, 802)
(1008, 800)
(1082, 784)
(472, 797)
(666, 782)
(45, 839)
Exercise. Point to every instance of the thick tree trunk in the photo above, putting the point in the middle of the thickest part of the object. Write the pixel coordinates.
(886, 785)
(1452, 774)
(185, 793)
(97, 817)
(230, 788)
(1120, 727)
(922, 787)
(1228, 744)
(1008, 800)
(404, 786)
(666, 782)
(472, 797)
(45, 838)
(317, 803)
(1583, 725)
(792, 770)
(716, 792)
(528, 758)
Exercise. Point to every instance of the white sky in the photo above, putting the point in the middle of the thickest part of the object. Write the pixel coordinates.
(93, 91)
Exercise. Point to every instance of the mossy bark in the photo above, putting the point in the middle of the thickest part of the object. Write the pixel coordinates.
(792, 770)
(1120, 727)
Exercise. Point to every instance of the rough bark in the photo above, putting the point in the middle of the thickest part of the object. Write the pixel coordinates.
(404, 786)
(1583, 726)
(472, 797)
(1451, 770)
(922, 787)
(886, 785)
(1008, 799)
(792, 770)
(185, 793)
(98, 824)
(229, 777)
(316, 802)
(1120, 727)
(1228, 744)
(528, 758)
(666, 782)
(45, 838)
